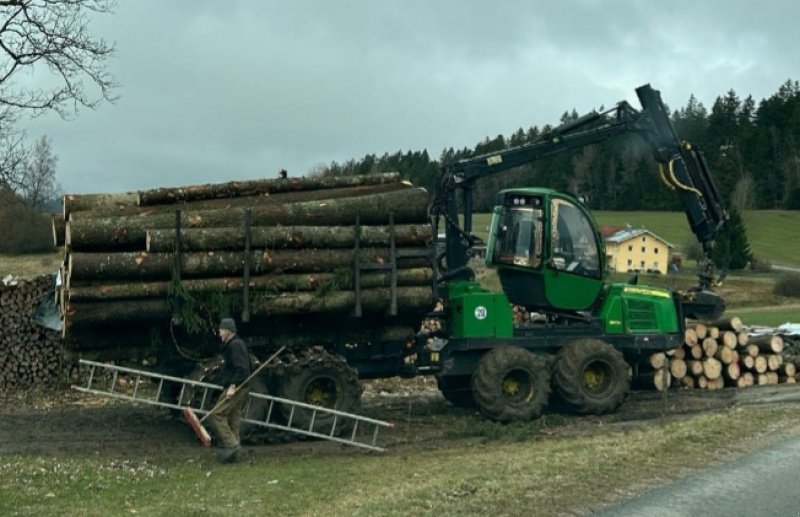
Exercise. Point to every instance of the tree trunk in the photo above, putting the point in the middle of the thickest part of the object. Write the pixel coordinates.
(158, 310)
(690, 337)
(247, 201)
(662, 379)
(734, 323)
(658, 360)
(677, 368)
(268, 284)
(729, 339)
(773, 344)
(75, 202)
(712, 368)
(158, 266)
(281, 237)
(130, 233)
(167, 196)
(701, 330)
(710, 346)
(59, 230)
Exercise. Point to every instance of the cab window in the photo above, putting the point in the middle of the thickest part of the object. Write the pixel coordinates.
(573, 243)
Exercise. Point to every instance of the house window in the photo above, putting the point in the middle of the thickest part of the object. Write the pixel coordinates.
(655, 250)
(630, 262)
(641, 264)
(644, 239)
(643, 249)
(655, 264)
(630, 247)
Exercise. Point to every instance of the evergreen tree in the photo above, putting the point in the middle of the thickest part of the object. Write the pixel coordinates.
(740, 254)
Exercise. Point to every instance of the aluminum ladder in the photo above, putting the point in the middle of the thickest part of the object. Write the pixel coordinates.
(360, 431)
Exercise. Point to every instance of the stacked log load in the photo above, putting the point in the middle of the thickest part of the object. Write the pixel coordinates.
(276, 253)
(30, 356)
(722, 354)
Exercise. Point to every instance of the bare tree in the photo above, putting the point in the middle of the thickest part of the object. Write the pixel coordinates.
(39, 178)
(52, 36)
(49, 40)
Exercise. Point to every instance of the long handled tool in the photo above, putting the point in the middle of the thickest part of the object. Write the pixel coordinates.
(197, 423)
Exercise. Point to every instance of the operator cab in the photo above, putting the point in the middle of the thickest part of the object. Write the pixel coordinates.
(547, 250)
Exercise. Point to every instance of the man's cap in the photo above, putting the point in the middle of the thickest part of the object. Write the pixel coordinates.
(228, 324)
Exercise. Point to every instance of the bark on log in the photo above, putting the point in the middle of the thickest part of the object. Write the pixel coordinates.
(248, 201)
(283, 237)
(76, 202)
(162, 196)
(158, 266)
(773, 344)
(59, 230)
(130, 233)
(159, 310)
(268, 284)
(733, 323)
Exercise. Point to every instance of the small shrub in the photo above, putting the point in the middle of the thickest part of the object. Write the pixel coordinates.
(760, 265)
(23, 230)
(788, 284)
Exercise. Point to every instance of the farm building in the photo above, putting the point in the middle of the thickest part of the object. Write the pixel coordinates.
(636, 250)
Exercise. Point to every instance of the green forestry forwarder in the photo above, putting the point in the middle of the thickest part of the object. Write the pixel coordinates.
(550, 258)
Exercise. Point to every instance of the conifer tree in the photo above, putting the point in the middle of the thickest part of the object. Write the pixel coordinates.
(739, 249)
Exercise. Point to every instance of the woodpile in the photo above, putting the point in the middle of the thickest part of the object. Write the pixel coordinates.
(30, 356)
(273, 253)
(721, 353)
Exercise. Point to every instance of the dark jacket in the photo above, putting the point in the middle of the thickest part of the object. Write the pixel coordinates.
(237, 362)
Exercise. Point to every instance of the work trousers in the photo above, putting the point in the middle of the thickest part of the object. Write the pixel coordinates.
(227, 419)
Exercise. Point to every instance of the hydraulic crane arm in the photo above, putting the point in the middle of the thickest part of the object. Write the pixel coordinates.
(682, 168)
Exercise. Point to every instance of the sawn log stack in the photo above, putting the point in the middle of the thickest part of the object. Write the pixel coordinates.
(271, 253)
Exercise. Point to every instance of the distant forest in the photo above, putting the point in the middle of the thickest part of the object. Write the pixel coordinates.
(753, 152)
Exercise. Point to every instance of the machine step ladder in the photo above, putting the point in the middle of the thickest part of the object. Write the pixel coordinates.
(150, 388)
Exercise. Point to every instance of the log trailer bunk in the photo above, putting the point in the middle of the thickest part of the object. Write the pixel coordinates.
(550, 258)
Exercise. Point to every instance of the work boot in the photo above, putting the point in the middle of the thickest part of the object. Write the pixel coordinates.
(228, 454)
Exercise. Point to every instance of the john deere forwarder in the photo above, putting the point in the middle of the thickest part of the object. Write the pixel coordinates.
(550, 258)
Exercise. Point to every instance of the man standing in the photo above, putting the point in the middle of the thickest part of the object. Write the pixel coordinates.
(235, 370)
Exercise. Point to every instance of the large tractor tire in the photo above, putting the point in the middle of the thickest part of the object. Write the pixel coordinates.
(457, 390)
(322, 379)
(511, 384)
(591, 376)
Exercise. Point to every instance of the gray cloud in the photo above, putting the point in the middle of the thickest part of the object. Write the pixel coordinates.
(214, 92)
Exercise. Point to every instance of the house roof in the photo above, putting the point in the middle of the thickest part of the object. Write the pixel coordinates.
(631, 233)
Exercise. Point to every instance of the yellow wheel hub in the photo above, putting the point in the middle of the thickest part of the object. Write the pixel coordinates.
(593, 378)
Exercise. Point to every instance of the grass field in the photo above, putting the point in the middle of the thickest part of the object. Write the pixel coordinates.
(542, 473)
(768, 231)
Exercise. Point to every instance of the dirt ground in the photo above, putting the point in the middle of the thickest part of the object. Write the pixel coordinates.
(70, 423)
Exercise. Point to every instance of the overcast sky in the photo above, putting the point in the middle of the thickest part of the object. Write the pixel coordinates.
(218, 91)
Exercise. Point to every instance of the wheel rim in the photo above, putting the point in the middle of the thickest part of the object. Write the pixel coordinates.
(517, 386)
(322, 391)
(597, 377)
